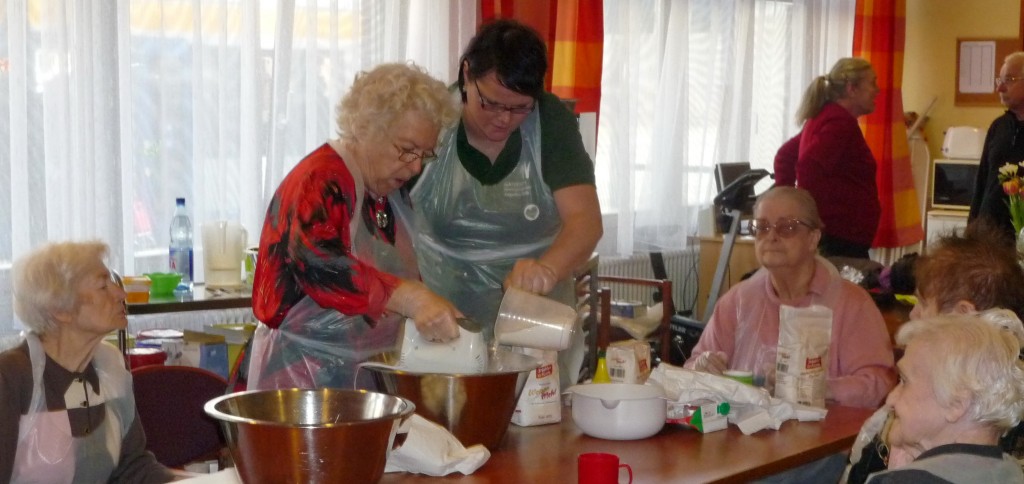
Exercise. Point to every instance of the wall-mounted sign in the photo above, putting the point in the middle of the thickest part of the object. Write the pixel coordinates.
(977, 66)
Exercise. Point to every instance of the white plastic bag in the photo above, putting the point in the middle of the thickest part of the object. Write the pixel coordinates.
(752, 408)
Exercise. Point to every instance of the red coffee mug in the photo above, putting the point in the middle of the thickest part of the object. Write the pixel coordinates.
(601, 468)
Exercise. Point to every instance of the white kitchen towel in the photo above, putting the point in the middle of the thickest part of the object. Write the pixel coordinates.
(432, 450)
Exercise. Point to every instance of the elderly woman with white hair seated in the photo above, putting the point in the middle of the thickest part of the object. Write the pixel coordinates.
(961, 387)
(67, 411)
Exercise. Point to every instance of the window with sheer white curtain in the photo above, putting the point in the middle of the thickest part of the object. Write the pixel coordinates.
(109, 110)
(689, 84)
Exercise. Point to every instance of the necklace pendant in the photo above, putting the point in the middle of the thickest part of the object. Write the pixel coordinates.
(382, 219)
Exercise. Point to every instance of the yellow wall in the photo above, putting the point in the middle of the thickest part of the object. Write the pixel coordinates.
(929, 65)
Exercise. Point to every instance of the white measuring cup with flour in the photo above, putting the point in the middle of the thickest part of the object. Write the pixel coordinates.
(533, 321)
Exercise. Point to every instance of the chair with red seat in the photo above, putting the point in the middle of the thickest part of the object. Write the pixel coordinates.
(170, 402)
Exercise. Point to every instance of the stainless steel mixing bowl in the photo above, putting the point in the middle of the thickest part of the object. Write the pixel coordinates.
(309, 436)
(477, 408)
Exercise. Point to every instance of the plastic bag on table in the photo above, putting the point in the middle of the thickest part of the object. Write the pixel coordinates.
(752, 408)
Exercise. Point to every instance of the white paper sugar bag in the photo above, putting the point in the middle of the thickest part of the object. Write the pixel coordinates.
(801, 366)
(540, 402)
(629, 361)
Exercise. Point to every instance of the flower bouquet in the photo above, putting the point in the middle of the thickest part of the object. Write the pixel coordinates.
(1010, 179)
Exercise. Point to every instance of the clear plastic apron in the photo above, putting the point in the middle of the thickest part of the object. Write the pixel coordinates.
(470, 235)
(316, 347)
(47, 452)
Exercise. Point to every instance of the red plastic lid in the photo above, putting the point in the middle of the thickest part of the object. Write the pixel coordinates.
(146, 356)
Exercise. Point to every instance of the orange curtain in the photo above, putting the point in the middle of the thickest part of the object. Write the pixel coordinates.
(574, 33)
(879, 37)
(576, 65)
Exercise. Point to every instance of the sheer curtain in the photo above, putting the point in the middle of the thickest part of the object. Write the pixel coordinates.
(109, 110)
(698, 83)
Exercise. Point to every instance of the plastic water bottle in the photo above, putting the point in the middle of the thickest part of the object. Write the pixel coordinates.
(181, 243)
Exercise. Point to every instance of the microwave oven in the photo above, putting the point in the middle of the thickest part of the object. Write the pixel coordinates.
(952, 183)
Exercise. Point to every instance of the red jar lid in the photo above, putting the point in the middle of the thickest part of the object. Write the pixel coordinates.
(145, 356)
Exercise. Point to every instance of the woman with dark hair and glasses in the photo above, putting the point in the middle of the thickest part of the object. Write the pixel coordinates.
(336, 273)
(743, 332)
(511, 200)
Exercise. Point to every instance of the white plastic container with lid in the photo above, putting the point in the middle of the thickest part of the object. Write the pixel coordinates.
(963, 143)
(223, 253)
(170, 341)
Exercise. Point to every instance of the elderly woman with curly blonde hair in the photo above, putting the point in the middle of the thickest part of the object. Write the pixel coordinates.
(335, 271)
(66, 404)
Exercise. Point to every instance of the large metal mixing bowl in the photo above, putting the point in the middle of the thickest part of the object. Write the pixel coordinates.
(475, 407)
(309, 436)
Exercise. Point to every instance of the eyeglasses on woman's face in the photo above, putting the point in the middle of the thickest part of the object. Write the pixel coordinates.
(494, 107)
(406, 155)
(784, 228)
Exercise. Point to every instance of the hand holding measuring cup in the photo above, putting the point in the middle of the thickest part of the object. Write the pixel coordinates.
(533, 321)
(531, 275)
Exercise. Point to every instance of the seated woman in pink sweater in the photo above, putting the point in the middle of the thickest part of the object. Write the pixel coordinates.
(743, 332)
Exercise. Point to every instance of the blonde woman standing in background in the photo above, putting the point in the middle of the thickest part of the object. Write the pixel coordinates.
(833, 161)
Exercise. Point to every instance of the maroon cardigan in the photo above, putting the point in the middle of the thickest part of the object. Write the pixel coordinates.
(836, 166)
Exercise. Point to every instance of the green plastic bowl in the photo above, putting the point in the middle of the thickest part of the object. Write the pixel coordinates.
(163, 283)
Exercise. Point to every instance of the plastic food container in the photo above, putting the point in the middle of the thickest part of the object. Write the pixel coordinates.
(164, 283)
(137, 288)
(145, 356)
(618, 411)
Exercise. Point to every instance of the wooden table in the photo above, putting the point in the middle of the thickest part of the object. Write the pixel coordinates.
(548, 453)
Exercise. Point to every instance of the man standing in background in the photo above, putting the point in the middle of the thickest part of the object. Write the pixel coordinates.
(1004, 143)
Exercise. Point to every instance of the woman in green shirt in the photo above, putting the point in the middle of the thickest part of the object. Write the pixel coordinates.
(511, 200)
